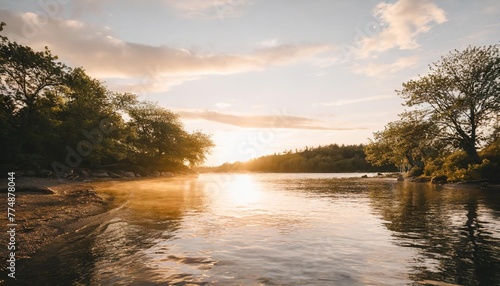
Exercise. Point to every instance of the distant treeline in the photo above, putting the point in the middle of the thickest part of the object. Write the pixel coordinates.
(323, 159)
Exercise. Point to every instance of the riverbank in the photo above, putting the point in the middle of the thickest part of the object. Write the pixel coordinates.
(491, 184)
(47, 208)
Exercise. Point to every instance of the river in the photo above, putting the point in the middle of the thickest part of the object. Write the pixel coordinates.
(281, 229)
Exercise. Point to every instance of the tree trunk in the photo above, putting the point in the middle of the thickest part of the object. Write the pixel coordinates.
(410, 160)
(471, 151)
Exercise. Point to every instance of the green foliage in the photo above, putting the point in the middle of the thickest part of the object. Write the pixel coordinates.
(49, 113)
(27, 78)
(159, 140)
(483, 170)
(455, 166)
(459, 167)
(457, 104)
(324, 159)
(404, 142)
(27, 74)
(492, 151)
(379, 152)
(435, 168)
(460, 94)
(415, 171)
(196, 146)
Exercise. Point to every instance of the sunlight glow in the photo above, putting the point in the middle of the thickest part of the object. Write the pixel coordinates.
(243, 190)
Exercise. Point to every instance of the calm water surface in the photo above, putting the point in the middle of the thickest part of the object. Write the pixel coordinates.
(281, 229)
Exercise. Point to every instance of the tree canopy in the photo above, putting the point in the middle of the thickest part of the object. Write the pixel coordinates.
(461, 95)
(406, 141)
(55, 116)
(455, 109)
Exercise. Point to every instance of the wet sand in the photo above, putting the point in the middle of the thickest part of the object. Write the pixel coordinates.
(48, 208)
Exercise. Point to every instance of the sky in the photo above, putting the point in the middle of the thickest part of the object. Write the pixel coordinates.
(259, 76)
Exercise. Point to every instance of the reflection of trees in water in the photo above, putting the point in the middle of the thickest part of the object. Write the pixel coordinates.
(448, 228)
(113, 251)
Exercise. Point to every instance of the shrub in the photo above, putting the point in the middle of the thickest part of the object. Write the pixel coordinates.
(415, 172)
(492, 151)
(457, 160)
(434, 168)
(485, 170)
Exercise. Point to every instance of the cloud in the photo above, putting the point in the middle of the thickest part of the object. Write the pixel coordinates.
(149, 83)
(269, 43)
(261, 121)
(326, 61)
(403, 21)
(373, 69)
(208, 8)
(222, 105)
(357, 100)
(490, 10)
(81, 7)
(105, 56)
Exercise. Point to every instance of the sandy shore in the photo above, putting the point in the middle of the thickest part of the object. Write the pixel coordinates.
(58, 207)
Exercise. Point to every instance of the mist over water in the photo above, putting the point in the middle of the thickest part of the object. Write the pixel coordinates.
(280, 229)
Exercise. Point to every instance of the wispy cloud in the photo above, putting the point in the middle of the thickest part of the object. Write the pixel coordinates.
(375, 69)
(269, 43)
(106, 56)
(403, 21)
(491, 10)
(222, 105)
(357, 100)
(262, 121)
(81, 7)
(486, 33)
(208, 8)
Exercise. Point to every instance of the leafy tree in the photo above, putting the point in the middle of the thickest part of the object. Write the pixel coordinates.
(196, 146)
(26, 77)
(123, 101)
(27, 74)
(461, 95)
(50, 114)
(407, 141)
(8, 126)
(87, 102)
(160, 140)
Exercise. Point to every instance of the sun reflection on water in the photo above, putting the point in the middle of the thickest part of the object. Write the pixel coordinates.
(281, 229)
(243, 190)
